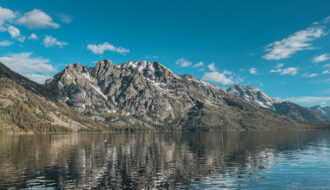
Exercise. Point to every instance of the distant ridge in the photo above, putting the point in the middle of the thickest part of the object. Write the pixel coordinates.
(322, 110)
(295, 111)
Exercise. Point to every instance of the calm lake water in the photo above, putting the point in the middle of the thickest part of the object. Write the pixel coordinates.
(214, 160)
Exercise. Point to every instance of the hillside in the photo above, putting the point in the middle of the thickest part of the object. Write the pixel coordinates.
(28, 107)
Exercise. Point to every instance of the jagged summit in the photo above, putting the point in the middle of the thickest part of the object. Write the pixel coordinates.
(252, 94)
(323, 110)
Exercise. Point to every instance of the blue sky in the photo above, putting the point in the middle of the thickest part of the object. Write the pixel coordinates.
(278, 46)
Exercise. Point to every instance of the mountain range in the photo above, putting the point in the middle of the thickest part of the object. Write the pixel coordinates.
(138, 96)
(322, 110)
(295, 111)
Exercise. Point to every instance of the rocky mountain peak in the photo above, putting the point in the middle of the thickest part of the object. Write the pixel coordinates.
(323, 110)
(151, 70)
(252, 94)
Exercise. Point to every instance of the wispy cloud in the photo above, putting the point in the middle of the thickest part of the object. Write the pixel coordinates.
(326, 71)
(50, 41)
(106, 46)
(13, 31)
(298, 41)
(199, 64)
(211, 67)
(321, 58)
(152, 57)
(66, 18)
(33, 36)
(5, 43)
(37, 19)
(183, 62)
(32, 67)
(312, 75)
(309, 100)
(253, 70)
(284, 71)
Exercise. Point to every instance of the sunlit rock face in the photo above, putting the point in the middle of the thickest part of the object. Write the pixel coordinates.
(149, 94)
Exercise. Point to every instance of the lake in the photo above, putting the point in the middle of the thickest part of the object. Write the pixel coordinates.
(174, 160)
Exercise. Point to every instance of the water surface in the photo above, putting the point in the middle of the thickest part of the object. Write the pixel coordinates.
(213, 160)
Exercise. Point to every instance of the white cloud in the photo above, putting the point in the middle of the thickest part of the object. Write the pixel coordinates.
(211, 67)
(253, 70)
(29, 66)
(6, 14)
(312, 75)
(50, 41)
(241, 70)
(152, 57)
(21, 38)
(65, 18)
(287, 71)
(37, 19)
(321, 58)
(5, 43)
(227, 72)
(33, 36)
(13, 31)
(217, 77)
(309, 100)
(39, 78)
(327, 65)
(326, 72)
(183, 62)
(298, 41)
(106, 46)
(199, 64)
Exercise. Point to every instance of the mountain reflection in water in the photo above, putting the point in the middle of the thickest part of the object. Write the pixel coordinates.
(272, 160)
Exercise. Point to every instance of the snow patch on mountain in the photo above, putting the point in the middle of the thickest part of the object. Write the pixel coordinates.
(252, 94)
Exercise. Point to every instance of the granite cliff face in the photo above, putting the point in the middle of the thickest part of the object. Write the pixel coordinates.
(295, 111)
(149, 94)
